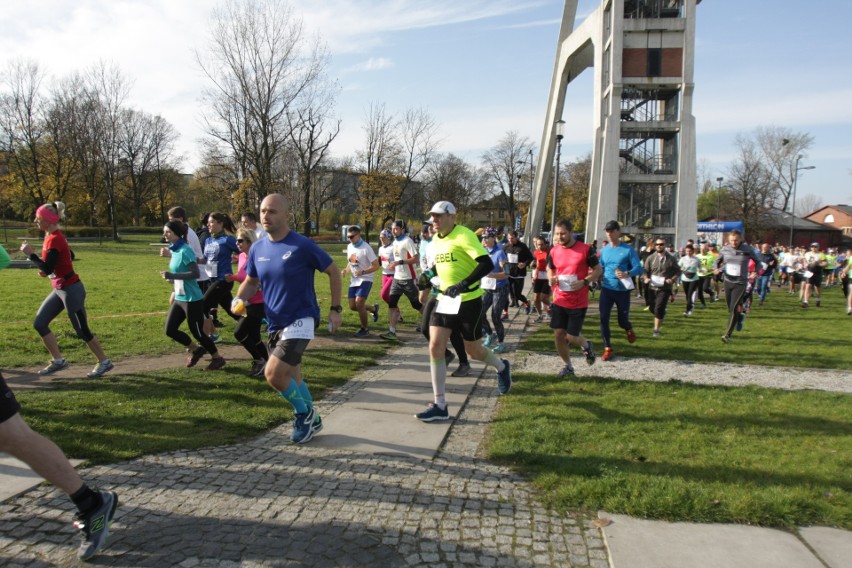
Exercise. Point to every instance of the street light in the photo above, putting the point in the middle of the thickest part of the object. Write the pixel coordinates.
(793, 205)
(718, 196)
(560, 127)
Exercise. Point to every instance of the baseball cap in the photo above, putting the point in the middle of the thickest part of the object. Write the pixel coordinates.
(442, 208)
(386, 234)
(489, 233)
(815, 245)
(612, 226)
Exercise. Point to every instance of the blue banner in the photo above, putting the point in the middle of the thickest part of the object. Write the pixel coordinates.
(719, 226)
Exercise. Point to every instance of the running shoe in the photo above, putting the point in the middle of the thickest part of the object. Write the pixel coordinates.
(726, 339)
(505, 315)
(100, 369)
(196, 356)
(463, 370)
(589, 353)
(646, 309)
(258, 366)
(500, 348)
(488, 339)
(504, 378)
(687, 313)
(418, 329)
(95, 525)
(433, 413)
(631, 336)
(214, 337)
(363, 332)
(217, 323)
(389, 335)
(607, 354)
(566, 371)
(215, 364)
(656, 333)
(316, 425)
(303, 427)
(740, 320)
(53, 367)
(540, 318)
(449, 357)
(375, 313)
(527, 308)
(817, 302)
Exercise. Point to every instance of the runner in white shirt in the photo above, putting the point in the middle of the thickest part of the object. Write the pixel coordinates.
(363, 263)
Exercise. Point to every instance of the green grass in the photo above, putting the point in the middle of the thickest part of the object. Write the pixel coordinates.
(778, 333)
(684, 452)
(681, 452)
(123, 279)
(127, 416)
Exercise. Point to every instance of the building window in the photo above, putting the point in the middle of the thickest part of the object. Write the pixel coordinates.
(828, 218)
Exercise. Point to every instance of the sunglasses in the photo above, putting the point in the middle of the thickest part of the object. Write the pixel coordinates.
(659, 244)
(241, 240)
(352, 236)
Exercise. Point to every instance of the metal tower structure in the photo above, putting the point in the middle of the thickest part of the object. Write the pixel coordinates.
(643, 157)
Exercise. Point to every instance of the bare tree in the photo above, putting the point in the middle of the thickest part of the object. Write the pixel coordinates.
(109, 89)
(419, 144)
(504, 162)
(809, 203)
(381, 152)
(22, 127)
(751, 186)
(452, 179)
(259, 64)
(779, 148)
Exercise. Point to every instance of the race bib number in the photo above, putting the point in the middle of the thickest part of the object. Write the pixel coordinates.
(447, 305)
(179, 289)
(627, 283)
(513, 258)
(488, 283)
(657, 280)
(211, 270)
(732, 269)
(541, 275)
(355, 282)
(807, 274)
(565, 282)
(299, 329)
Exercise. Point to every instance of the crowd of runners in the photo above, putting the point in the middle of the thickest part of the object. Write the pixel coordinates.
(461, 282)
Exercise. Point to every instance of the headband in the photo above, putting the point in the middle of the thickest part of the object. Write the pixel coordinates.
(48, 215)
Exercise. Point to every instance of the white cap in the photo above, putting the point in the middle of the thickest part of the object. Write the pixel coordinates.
(443, 207)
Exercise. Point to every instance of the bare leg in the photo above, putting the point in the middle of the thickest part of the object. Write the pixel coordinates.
(96, 348)
(52, 345)
(41, 454)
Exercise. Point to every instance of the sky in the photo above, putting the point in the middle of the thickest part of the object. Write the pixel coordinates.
(481, 68)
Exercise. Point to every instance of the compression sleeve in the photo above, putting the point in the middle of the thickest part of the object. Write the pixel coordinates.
(48, 264)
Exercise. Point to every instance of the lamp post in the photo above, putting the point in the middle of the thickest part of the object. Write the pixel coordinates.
(718, 196)
(560, 126)
(793, 204)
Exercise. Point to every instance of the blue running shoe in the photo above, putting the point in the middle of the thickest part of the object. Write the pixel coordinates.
(504, 378)
(566, 371)
(433, 413)
(316, 426)
(589, 352)
(740, 319)
(362, 333)
(303, 427)
(487, 342)
(95, 525)
(375, 313)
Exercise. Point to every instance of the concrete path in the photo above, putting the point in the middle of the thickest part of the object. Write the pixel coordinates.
(375, 488)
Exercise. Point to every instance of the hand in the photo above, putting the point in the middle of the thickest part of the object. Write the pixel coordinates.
(229, 278)
(26, 248)
(165, 275)
(164, 252)
(356, 272)
(456, 289)
(424, 281)
(619, 273)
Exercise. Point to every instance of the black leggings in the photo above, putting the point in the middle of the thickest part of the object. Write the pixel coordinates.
(735, 294)
(516, 289)
(455, 336)
(247, 332)
(219, 294)
(691, 289)
(193, 312)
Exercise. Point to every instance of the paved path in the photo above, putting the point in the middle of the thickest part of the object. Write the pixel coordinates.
(376, 488)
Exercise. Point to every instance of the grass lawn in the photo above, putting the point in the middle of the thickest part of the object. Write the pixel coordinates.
(677, 451)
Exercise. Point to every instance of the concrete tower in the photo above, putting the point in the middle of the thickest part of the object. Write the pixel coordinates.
(643, 157)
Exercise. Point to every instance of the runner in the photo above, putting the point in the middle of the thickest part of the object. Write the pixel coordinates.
(405, 260)
(541, 285)
(815, 263)
(571, 266)
(283, 265)
(661, 274)
(68, 292)
(733, 264)
(187, 301)
(519, 257)
(248, 327)
(362, 265)
(619, 265)
(496, 287)
(218, 249)
(690, 266)
(386, 258)
(460, 263)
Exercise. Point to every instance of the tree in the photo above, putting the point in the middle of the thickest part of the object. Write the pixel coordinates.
(378, 195)
(809, 203)
(449, 178)
(779, 148)
(259, 64)
(503, 163)
(752, 185)
(381, 153)
(573, 198)
(418, 145)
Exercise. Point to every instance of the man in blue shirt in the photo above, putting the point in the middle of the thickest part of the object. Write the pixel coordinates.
(283, 266)
(620, 263)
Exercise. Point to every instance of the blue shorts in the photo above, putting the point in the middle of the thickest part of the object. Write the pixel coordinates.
(362, 290)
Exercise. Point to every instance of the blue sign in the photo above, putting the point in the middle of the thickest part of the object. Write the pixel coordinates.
(719, 226)
(518, 223)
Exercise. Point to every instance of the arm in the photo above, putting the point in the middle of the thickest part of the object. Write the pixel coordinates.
(248, 288)
(636, 268)
(334, 283)
(192, 274)
(484, 266)
(47, 265)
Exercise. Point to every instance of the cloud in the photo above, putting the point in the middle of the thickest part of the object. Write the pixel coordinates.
(373, 64)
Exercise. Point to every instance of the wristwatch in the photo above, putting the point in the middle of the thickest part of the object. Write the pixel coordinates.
(337, 309)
